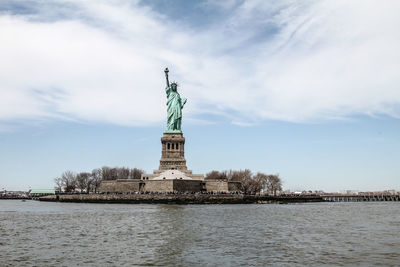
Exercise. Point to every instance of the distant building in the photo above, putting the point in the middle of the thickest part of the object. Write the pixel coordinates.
(349, 192)
(41, 192)
(391, 192)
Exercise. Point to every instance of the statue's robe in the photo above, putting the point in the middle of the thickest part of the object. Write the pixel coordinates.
(174, 109)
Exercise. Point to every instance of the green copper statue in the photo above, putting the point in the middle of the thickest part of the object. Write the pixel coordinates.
(175, 104)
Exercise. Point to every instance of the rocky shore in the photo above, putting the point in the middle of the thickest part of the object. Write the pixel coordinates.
(180, 198)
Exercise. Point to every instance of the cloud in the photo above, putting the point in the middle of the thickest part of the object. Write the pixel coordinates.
(102, 61)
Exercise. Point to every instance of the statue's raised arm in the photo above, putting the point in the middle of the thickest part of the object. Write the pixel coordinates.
(166, 76)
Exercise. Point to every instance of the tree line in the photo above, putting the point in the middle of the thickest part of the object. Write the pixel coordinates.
(90, 181)
(250, 183)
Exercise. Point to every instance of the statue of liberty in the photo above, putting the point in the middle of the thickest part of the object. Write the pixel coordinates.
(174, 106)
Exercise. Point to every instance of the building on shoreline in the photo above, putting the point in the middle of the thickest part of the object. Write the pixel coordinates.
(41, 192)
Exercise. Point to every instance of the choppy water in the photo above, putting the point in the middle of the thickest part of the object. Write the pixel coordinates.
(46, 234)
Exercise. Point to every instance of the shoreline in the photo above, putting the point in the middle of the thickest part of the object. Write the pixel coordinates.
(16, 198)
(180, 199)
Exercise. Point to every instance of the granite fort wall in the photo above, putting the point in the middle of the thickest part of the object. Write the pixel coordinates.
(173, 186)
(159, 186)
(188, 185)
(216, 186)
(122, 185)
(128, 185)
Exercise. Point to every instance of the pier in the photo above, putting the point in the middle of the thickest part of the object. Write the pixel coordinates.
(360, 198)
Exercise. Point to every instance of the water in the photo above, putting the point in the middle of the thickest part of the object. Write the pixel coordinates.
(36, 233)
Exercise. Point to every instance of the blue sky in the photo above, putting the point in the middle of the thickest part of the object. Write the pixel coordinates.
(309, 90)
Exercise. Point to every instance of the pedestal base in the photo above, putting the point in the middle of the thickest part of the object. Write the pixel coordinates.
(173, 152)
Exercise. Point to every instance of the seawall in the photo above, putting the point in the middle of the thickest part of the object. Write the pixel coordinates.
(179, 199)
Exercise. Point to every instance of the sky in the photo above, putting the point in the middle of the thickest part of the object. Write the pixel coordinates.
(306, 89)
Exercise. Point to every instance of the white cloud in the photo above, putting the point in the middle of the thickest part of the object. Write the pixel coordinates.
(296, 62)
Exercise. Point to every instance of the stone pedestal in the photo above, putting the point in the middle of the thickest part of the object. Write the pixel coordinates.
(172, 152)
(172, 162)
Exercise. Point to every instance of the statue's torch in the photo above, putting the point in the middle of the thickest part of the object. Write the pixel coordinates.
(166, 75)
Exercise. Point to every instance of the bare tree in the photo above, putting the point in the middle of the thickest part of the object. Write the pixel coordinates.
(96, 178)
(216, 175)
(59, 184)
(106, 173)
(135, 173)
(90, 182)
(245, 177)
(114, 173)
(68, 181)
(122, 173)
(274, 184)
(260, 180)
(83, 181)
(250, 183)
(212, 175)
